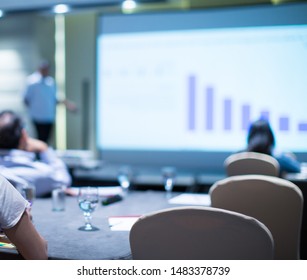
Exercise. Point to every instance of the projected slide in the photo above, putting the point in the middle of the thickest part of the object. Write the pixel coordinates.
(200, 89)
(227, 112)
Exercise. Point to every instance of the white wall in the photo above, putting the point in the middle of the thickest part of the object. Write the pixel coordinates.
(24, 40)
(80, 30)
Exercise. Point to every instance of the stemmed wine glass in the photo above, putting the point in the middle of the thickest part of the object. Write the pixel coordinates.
(169, 175)
(88, 199)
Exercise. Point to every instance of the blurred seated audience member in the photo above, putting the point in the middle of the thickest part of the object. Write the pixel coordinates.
(16, 223)
(28, 158)
(261, 139)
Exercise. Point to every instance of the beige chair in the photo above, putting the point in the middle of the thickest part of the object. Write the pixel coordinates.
(199, 233)
(251, 163)
(275, 202)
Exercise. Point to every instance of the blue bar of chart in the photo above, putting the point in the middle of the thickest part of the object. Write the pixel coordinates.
(283, 123)
(227, 114)
(264, 114)
(246, 116)
(210, 109)
(191, 103)
(209, 105)
(302, 126)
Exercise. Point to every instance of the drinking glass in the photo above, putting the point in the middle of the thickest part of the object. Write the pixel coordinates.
(58, 197)
(88, 199)
(169, 175)
(28, 191)
(124, 178)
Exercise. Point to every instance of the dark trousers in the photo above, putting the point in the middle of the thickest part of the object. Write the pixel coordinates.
(43, 131)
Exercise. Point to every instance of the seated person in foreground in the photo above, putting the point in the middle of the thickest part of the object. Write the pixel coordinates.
(16, 223)
(18, 154)
(261, 139)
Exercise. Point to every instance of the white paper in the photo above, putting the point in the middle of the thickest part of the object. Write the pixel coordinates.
(191, 199)
(122, 223)
(102, 191)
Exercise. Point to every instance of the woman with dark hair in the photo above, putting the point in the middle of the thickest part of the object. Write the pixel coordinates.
(261, 139)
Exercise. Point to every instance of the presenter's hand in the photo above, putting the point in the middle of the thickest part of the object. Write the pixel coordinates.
(36, 146)
(70, 106)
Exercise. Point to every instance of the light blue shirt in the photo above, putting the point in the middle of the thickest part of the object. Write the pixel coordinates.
(45, 174)
(40, 97)
(287, 163)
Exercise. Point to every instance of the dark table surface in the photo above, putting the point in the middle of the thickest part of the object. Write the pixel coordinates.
(65, 241)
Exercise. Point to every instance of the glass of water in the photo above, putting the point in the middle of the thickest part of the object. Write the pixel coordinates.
(28, 191)
(124, 177)
(169, 175)
(88, 200)
(58, 198)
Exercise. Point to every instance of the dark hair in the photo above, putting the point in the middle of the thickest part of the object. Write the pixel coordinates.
(10, 130)
(260, 137)
(44, 64)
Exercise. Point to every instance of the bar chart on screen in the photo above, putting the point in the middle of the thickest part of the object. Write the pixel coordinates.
(226, 109)
(201, 89)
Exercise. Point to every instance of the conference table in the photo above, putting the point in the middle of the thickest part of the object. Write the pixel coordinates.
(65, 241)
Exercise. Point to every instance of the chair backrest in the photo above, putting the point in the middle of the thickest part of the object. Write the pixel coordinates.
(199, 233)
(251, 163)
(275, 202)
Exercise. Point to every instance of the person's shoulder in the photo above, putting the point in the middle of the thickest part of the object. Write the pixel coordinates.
(282, 157)
(50, 81)
(5, 185)
(17, 155)
(34, 78)
(3, 181)
(287, 161)
(284, 154)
